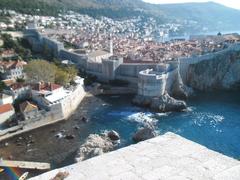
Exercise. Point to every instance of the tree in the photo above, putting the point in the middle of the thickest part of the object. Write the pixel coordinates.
(2, 86)
(9, 43)
(71, 72)
(61, 77)
(40, 70)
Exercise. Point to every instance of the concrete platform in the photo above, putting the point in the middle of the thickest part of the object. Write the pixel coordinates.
(167, 157)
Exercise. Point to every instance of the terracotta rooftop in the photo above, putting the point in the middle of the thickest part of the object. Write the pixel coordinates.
(42, 86)
(17, 85)
(12, 64)
(6, 108)
(9, 82)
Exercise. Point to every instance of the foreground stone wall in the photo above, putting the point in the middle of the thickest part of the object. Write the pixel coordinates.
(166, 157)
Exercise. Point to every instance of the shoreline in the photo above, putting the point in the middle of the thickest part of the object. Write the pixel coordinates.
(28, 147)
(59, 152)
(45, 121)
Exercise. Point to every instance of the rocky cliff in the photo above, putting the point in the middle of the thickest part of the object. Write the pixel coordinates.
(219, 72)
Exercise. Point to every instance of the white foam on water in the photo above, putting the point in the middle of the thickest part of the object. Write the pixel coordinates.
(162, 114)
(142, 117)
(204, 118)
(136, 115)
(190, 109)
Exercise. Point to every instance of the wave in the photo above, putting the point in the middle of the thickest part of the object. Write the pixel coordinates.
(208, 118)
(137, 115)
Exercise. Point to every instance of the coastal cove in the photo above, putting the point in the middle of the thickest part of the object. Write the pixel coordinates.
(211, 120)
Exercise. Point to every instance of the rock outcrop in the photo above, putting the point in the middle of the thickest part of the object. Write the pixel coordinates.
(179, 90)
(216, 72)
(144, 133)
(97, 144)
(164, 103)
(113, 135)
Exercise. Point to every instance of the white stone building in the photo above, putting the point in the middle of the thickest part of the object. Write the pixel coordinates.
(98, 55)
(5, 99)
(18, 90)
(12, 69)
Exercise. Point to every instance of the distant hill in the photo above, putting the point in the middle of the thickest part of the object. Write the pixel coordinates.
(211, 15)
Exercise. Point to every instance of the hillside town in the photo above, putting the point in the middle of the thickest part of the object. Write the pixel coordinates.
(93, 39)
(75, 86)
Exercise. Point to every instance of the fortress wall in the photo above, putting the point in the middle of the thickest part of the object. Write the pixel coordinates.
(132, 70)
(171, 79)
(132, 80)
(71, 102)
(151, 83)
(53, 45)
(94, 67)
(172, 70)
(79, 59)
(110, 66)
(185, 62)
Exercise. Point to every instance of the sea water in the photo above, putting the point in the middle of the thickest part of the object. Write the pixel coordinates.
(212, 120)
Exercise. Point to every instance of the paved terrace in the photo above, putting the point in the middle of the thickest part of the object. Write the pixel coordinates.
(169, 157)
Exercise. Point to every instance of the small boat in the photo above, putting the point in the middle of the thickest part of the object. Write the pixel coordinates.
(1, 170)
(24, 176)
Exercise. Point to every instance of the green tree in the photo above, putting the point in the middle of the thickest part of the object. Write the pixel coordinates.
(2, 86)
(9, 43)
(40, 70)
(71, 72)
(61, 77)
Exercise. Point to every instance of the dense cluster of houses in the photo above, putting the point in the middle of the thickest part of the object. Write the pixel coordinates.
(10, 72)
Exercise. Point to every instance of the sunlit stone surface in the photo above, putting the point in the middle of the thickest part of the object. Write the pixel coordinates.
(169, 157)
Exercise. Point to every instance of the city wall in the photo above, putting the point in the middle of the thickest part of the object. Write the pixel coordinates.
(109, 69)
(185, 62)
(156, 81)
(79, 59)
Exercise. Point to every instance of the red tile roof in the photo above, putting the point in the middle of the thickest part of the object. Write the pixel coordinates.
(17, 85)
(9, 82)
(6, 108)
(12, 64)
(42, 86)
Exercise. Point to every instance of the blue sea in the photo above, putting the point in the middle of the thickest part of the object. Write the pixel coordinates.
(212, 120)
